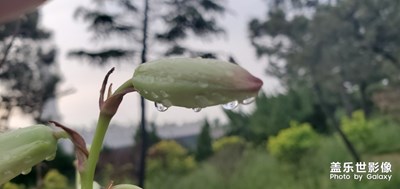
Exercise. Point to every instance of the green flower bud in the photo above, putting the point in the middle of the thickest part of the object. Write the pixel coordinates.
(125, 186)
(23, 148)
(194, 82)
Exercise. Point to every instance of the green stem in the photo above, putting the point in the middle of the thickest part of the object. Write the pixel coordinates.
(88, 174)
(126, 85)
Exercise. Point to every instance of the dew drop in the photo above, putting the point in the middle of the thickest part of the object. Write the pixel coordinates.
(145, 92)
(26, 171)
(50, 157)
(230, 105)
(160, 107)
(248, 100)
(196, 109)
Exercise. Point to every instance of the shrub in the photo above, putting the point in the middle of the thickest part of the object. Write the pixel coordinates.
(371, 135)
(293, 143)
(227, 141)
(10, 185)
(55, 180)
(357, 129)
(169, 156)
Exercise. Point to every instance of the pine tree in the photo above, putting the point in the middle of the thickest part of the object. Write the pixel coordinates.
(204, 143)
(28, 72)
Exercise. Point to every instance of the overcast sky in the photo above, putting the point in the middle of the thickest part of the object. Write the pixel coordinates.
(81, 108)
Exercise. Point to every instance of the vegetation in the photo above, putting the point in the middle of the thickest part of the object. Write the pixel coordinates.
(338, 64)
(204, 143)
(294, 143)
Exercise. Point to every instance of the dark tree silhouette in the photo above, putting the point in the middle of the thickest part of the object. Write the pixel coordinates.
(204, 143)
(28, 72)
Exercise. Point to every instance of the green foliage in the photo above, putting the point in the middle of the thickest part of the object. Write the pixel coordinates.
(358, 130)
(374, 135)
(167, 155)
(28, 74)
(293, 144)
(10, 185)
(273, 113)
(257, 169)
(228, 141)
(55, 180)
(339, 50)
(204, 148)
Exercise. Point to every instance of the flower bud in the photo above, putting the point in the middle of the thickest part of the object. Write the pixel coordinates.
(23, 148)
(125, 186)
(194, 82)
(11, 9)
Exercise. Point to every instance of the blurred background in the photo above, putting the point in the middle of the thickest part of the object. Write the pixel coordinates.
(331, 90)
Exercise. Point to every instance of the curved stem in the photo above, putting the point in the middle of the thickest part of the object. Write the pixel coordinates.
(126, 85)
(94, 153)
(87, 175)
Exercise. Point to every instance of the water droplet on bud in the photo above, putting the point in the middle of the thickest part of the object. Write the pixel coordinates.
(248, 100)
(26, 171)
(160, 107)
(230, 105)
(196, 109)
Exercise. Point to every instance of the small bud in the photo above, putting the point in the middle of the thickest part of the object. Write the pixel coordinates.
(11, 9)
(125, 186)
(194, 82)
(23, 148)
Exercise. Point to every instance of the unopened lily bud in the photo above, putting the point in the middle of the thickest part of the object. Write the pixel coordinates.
(126, 186)
(194, 82)
(23, 148)
(11, 9)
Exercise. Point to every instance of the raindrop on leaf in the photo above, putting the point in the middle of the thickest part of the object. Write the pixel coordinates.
(196, 109)
(50, 157)
(160, 107)
(27, 171)
(230, 105)
(248, 100)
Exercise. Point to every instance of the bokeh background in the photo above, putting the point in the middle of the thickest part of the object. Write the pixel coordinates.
(330, 70)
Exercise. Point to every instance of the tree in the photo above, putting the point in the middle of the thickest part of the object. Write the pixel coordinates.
(178, 21)
(273, 113)
(28, 71)
(180, 18)
(204, 143)
(340, 50)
